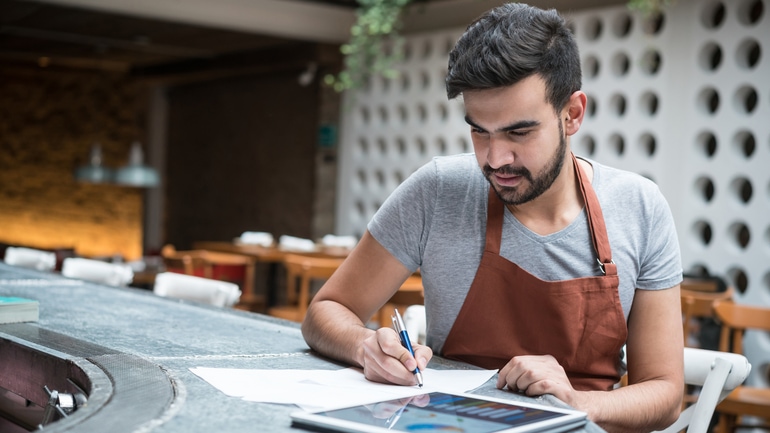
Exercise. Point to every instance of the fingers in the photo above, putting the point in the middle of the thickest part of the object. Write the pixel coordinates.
(536, 375)
(386, 360)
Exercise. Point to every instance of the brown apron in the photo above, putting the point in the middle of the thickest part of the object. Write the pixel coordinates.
(509, 312)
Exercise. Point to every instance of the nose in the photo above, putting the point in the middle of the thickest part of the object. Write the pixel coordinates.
(499, 153)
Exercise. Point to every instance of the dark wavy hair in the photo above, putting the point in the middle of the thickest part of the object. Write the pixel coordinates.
(512, 42)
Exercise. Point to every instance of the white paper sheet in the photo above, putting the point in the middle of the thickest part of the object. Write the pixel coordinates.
(322, 389)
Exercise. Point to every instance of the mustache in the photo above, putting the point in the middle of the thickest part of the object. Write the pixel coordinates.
(508, 170)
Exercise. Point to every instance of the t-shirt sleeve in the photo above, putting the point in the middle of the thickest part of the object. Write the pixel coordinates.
(661, 263)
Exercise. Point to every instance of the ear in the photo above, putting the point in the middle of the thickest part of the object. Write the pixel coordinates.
(573, 112)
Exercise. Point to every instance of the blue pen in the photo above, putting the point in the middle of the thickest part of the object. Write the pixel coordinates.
(398, 325)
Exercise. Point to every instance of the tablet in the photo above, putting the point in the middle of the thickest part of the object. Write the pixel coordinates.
(442, 412)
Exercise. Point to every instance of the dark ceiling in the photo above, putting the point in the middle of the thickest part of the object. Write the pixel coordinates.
(34, 34)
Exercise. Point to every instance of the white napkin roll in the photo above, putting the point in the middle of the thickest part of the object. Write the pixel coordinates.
(339, 241)
(257, 238)
(113, 274)
(296, 244)
(30, 258)
(203, 290)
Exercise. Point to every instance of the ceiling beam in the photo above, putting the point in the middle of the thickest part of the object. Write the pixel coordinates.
(292, 19)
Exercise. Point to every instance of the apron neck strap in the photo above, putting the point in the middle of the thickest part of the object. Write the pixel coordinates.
(599, 238)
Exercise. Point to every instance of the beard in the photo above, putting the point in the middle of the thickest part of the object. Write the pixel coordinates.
(535, 186)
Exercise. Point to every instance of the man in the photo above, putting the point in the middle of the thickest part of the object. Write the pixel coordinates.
(539, 264)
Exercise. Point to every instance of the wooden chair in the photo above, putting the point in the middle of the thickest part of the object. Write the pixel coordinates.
(410, 293)
(697, 306)
(744, 400)
(233, 268)
(303, 269)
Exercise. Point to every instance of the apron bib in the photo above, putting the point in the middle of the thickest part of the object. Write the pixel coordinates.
(509, 312)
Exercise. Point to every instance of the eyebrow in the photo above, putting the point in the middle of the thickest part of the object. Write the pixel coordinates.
(522, 124)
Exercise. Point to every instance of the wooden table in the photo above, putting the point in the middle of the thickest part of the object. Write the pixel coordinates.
(272, 256)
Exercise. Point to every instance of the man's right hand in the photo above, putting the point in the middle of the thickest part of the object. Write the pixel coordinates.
(385, 360)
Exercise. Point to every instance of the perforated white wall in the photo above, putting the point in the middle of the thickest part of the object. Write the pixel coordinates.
(683, 100)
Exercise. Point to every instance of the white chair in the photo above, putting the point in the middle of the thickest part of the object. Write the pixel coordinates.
(197, 289)
(112, 274)
(718, 373)
(415, 322)
(30, 258)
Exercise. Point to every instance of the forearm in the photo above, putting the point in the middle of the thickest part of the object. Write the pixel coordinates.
(643, 407)
(334, 331)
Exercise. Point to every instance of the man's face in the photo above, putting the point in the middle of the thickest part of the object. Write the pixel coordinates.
(519, 140)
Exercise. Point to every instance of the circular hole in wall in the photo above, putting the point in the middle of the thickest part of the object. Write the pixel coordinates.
(750, 12)
(748, 54)
(710, 57)
(708, 100)
(653, 24)
(385, 84)
(741, 189)
(713, 15)
(702, 232)
(424, 80)
(427, 49)
(382, 111)
(406, 51)
(739, 234)
(361, 209)
(618, 104)
(746, 99)
(422, 113)
(591, 66)
(593, 29)
(651, 62)
(403, 113)
(363, 114)
(399, 177)
(361, 175)
(363, 146)
(443, 111)
(704, 187)
(441, 146)
(382, 146)
(699, 270)
(379, 178)
(591, 106)
(422, 148)
(649, 103)
(405, 82)
(739, 278)
(620, 64)
(707, 143)
(449, 43)
(744, 143)
(617, 144)
(621, 25)
(587, 145)
(463, 144)
(648, 176)
(648, 144)
(401, 146)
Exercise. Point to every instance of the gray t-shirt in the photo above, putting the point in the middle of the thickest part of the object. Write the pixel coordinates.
(436, 221)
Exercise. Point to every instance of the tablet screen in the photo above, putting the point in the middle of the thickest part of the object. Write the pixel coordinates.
(440, 412)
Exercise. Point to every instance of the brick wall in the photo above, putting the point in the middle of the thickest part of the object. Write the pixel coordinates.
(48, 122)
